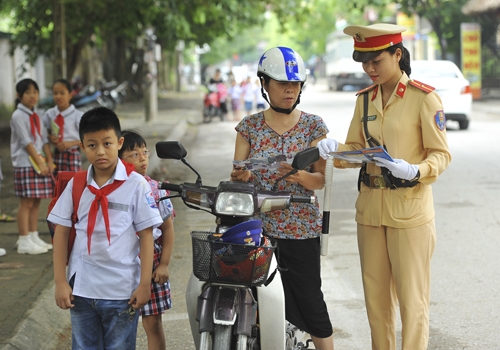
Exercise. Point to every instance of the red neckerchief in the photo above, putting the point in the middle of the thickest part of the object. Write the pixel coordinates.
(101, 198)
(35, 125)
(60, 122)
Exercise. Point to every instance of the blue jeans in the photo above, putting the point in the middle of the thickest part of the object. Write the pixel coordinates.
(103, 324)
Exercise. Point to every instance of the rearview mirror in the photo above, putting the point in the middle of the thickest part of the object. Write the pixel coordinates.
(305, 158)
(170, 150)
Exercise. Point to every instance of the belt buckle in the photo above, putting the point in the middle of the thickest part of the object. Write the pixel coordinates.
(377, 181)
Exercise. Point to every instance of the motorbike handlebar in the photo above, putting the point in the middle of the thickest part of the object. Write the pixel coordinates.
(302, 199)
(170, 187)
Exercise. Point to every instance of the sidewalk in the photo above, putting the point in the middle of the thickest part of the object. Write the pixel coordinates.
(29, 318)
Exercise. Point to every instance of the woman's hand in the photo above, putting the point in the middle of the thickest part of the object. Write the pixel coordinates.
(241, 175)
(284, 169)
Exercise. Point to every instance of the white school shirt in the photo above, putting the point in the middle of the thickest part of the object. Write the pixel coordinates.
(258, 96)
(235, 92)
(248, 92)
(21, 136)
(112, 270)
(71, 117)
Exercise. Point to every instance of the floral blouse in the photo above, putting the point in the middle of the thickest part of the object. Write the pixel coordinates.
(302, 220)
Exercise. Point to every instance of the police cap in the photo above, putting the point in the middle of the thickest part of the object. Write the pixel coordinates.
(370, 41)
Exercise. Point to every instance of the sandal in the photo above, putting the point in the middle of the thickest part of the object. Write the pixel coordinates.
(6, 218)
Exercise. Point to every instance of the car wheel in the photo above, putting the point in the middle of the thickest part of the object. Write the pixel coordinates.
(463, 124)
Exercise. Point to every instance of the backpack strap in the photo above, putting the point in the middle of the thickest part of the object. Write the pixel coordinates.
(79, 184)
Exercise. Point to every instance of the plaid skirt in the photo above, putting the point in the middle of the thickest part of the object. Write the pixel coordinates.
(69, 160)
(28, 184)
(160, 293)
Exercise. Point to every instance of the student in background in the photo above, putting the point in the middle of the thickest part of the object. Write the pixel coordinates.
(248, 95)
(135, 152)
(235, 95)
(62, 123)
(33, 167)
(105, 283)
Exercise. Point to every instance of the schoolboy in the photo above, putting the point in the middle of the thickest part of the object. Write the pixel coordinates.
(106, 282)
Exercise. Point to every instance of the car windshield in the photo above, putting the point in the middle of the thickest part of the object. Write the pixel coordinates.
(433, 71)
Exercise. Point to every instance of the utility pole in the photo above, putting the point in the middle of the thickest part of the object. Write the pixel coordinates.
(179, 48)
(59, 36)
(152, 53)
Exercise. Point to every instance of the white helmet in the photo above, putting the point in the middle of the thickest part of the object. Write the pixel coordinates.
(282, 64)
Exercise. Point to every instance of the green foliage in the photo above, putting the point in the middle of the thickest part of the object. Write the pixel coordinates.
(95, 21)
(445, 17)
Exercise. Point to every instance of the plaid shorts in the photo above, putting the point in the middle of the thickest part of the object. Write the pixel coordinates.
(69, 160)
(160, 293)
(28, 184)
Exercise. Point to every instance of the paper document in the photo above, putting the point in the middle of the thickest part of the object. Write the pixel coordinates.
(362, 155)
(261, 163)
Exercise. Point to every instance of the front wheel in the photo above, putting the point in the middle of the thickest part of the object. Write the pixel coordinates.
(463, 124)
(207, 114)
(222, 337)
(205, 341)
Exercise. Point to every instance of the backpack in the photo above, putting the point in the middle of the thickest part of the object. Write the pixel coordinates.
(79, 184)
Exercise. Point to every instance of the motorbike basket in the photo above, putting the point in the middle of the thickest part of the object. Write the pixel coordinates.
(221, 262)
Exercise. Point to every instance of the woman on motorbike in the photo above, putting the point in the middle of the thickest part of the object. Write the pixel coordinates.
(283, 129)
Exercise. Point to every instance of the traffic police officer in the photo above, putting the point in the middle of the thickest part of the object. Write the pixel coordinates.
(394, 209)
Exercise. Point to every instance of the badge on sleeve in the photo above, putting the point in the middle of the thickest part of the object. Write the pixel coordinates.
(151, 200)
(440, 119)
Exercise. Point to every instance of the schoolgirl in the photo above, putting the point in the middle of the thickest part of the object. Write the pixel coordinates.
(33, 166)
(134, 151)
(62, 124)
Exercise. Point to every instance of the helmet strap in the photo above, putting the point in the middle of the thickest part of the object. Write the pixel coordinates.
(278, 109)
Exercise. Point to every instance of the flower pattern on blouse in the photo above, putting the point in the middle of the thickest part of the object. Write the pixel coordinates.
(302, 220)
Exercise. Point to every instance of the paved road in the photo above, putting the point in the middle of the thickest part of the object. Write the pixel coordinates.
(464, 258)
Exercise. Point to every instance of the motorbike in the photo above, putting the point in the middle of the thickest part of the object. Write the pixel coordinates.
(113, 92)
(233, 300)
(214, 103)
(87, 98)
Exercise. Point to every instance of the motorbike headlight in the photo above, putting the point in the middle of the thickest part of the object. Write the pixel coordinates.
(234, 203)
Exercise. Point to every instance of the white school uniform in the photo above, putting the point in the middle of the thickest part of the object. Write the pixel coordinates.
(71, 117)
(112, 270)
(21, 136)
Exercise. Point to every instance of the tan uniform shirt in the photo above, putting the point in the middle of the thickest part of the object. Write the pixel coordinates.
(411, 127)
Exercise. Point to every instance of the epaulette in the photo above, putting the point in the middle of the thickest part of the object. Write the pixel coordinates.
(369, 88)
(421, 86)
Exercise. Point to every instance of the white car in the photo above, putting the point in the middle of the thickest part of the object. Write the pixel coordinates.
(451, 86)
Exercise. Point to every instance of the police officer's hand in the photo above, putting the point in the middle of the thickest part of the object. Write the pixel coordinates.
(326, 146)
(399, 168)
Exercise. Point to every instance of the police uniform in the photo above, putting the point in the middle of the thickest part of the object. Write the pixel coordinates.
(396, 229)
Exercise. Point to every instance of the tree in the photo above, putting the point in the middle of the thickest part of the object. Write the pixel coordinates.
(445, 17)
(115, 24)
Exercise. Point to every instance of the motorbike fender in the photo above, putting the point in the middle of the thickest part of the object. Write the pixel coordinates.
(247, 312)
(205, 310)
(272, 322)
(226, 305)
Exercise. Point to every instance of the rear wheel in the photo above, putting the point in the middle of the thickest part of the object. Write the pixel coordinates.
(206, 114)
(463, 124)
(222, 337)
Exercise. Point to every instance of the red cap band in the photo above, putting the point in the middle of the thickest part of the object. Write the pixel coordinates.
(377, 43)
